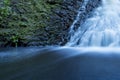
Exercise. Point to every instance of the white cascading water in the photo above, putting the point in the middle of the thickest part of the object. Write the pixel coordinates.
(102, 29)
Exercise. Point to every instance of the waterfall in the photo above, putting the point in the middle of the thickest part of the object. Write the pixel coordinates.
(102, 29)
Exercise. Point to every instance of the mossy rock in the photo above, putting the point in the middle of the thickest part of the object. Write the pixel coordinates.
(24, 18)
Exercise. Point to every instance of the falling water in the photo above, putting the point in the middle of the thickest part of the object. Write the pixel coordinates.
(102, 29)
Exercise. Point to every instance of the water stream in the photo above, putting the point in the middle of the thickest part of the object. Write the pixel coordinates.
(92, 53)
(102, 29)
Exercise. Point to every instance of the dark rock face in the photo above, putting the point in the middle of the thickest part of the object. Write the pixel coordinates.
(64, 16)
(58, 25)
(52, 29)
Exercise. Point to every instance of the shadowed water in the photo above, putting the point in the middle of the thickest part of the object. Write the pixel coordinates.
(60, 63)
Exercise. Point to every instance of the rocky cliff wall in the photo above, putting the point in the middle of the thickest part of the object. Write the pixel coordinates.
(38, 22)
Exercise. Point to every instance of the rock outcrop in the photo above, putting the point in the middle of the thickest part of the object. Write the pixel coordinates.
(40, 23)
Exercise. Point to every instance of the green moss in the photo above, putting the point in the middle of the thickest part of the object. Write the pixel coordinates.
(15, 39)
(5, 8)
(21, 18)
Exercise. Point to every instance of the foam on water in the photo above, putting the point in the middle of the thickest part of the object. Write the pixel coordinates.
(14, 54)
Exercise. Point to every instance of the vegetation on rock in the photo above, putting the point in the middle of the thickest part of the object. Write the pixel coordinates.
(20, 19)
(36, 22)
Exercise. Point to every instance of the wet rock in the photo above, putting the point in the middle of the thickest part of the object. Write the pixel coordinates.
(44, 26)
